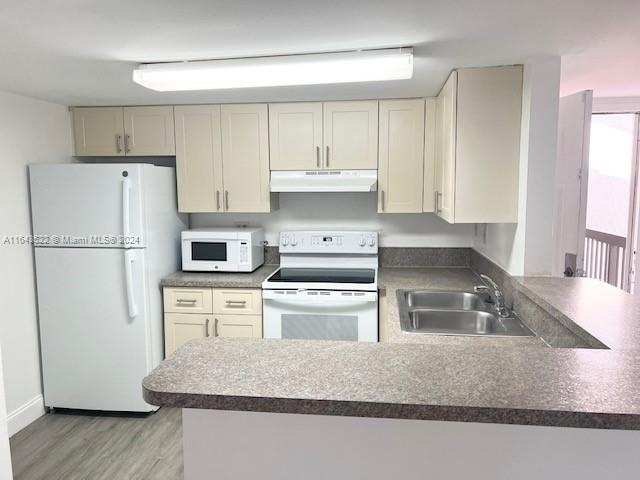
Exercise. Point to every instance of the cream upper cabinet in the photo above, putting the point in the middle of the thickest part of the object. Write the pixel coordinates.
(350, 135)
(478, 145)
(245, 158)
(445, 149)
(222, 158)
(149, 131)
(400, 174)
(98, 131)
(119, 131)
(295, 136)
(198, 158)
(428, 201)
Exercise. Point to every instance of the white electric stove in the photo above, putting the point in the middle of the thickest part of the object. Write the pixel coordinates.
(325, 289)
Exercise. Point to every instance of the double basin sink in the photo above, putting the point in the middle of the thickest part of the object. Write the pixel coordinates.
(437, 312)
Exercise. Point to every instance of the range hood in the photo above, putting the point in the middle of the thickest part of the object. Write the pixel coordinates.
(325, 181)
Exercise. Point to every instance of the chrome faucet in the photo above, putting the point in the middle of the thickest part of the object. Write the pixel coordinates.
(495, 293)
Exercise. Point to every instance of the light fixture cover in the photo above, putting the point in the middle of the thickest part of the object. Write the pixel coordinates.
(311, 69)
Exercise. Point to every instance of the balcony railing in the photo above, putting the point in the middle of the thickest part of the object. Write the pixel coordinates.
(604, 257)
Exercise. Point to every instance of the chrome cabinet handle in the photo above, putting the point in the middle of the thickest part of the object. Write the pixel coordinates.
(382, 200)
(318, 157)
(226, 199)
(126, 144)
(119, 143)
(326, 160)
(438, 197)
(218, 200)
(206, 328)
(186, 300)
(236, 302)
(215, 327)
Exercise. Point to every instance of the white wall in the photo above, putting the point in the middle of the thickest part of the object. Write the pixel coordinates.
(31, 131)
(5, 452)
(526, 247)
(348, 211)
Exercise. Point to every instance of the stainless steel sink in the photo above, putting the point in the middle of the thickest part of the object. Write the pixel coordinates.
(463, 322)
(436, 299)
(435, 312)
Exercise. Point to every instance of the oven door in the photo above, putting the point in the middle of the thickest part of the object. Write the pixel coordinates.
(320, 315)
(210, 255)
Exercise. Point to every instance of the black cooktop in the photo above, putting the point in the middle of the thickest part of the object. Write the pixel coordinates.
(324, 275)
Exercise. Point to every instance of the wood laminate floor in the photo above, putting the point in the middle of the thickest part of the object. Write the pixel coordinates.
(66, 446)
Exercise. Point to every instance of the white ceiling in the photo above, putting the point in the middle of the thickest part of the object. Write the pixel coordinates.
(82, 52)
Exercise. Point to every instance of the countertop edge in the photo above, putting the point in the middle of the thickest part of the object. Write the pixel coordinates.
(559, 315)
(495, 415)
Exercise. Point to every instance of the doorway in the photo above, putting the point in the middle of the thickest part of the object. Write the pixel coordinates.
(612, 199)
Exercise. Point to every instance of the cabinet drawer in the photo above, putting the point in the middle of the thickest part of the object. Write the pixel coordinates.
(248, 326)
(187, 300)
(237, 301)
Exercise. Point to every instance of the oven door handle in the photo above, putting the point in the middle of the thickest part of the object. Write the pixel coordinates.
(319, 300)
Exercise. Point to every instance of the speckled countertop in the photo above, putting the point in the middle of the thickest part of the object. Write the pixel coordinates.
(219, 279)
(470, 381)
(442, 278)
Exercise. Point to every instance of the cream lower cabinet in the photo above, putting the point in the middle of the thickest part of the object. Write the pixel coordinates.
(179, 328)
(123, 131)
(238, 325)
(192, 313)
(400, 171)
(477, 156)
(222, 158)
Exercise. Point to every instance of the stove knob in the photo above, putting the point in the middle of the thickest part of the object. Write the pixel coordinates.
(372, 241)
(362, 242)
(294, 242)
(285, 241)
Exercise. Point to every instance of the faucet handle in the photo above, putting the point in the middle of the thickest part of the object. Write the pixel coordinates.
(481, 289)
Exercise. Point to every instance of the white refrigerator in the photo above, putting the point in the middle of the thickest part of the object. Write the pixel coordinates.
(104, 235)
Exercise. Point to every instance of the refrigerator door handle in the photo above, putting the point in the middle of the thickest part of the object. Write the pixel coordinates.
(129, 258)
(126, 209)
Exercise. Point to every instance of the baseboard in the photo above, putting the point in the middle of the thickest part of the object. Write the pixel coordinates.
(25, 414)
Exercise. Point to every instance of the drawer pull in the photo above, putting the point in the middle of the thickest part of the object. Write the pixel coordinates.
(185, 300)
(236, 302)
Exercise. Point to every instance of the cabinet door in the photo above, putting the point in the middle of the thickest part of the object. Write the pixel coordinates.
(295, 136)
(98, 131)
(445, 149)
(198, 158)
(149, 131)
(351, 135)
(400, 174)
(179, 328)
(245, 158)
(428, 202)
(489, 112)
(238, 326)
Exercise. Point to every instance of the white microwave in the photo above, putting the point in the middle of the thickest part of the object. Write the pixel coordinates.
(222, 249)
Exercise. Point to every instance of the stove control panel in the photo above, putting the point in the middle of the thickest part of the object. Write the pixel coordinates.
(329, 242)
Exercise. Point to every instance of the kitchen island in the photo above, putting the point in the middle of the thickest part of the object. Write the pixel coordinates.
(354, 410)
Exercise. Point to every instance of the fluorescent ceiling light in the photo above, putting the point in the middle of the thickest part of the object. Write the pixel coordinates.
(312, 69)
